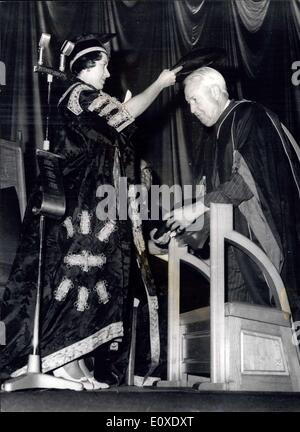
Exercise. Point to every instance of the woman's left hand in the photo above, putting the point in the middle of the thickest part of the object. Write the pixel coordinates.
(139, 103)
(168, 77)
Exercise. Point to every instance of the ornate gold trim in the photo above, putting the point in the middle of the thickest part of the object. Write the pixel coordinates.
(78, 349)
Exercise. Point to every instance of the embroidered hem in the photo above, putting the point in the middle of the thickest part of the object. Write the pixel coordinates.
(78, 349)
(154, 330)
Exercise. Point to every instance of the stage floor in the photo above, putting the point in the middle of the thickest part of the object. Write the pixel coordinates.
(131, 399)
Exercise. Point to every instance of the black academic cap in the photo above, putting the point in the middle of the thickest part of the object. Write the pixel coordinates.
(197, 58)
(87, 43)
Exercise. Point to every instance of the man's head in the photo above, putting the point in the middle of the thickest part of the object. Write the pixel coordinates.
(206, 93)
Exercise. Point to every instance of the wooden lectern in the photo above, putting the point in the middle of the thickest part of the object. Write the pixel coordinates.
(229, 346)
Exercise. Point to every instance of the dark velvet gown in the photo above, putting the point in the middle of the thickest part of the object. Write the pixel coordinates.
(87, 260)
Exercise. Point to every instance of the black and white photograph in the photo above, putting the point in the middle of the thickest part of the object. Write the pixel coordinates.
(150, 208)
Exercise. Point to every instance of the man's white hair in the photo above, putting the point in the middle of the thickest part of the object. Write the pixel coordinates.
(207, 76)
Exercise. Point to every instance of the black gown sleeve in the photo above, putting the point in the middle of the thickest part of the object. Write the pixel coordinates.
(234, 191)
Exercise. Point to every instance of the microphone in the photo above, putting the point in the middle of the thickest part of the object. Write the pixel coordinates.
(43, 43)
(66, 49)
(2, 74)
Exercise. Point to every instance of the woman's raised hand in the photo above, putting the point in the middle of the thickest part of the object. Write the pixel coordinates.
(139, 103)
(168, 77)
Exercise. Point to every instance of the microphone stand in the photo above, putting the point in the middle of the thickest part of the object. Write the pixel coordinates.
(50, 203)
(2, 84)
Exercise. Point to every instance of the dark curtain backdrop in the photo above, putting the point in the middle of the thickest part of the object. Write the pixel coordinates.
(261, 38)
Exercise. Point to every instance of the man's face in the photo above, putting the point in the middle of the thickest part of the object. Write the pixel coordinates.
(99, 73)
(202, 102)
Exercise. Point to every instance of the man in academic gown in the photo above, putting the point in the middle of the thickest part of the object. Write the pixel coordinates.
(256, 169)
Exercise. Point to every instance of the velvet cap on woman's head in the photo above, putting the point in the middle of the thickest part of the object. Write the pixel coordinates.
(88, 43)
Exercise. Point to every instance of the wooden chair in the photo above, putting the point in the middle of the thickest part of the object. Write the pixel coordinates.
(229, 346)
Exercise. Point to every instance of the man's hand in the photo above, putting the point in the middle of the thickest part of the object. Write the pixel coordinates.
(162, 241)
(181, 218)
